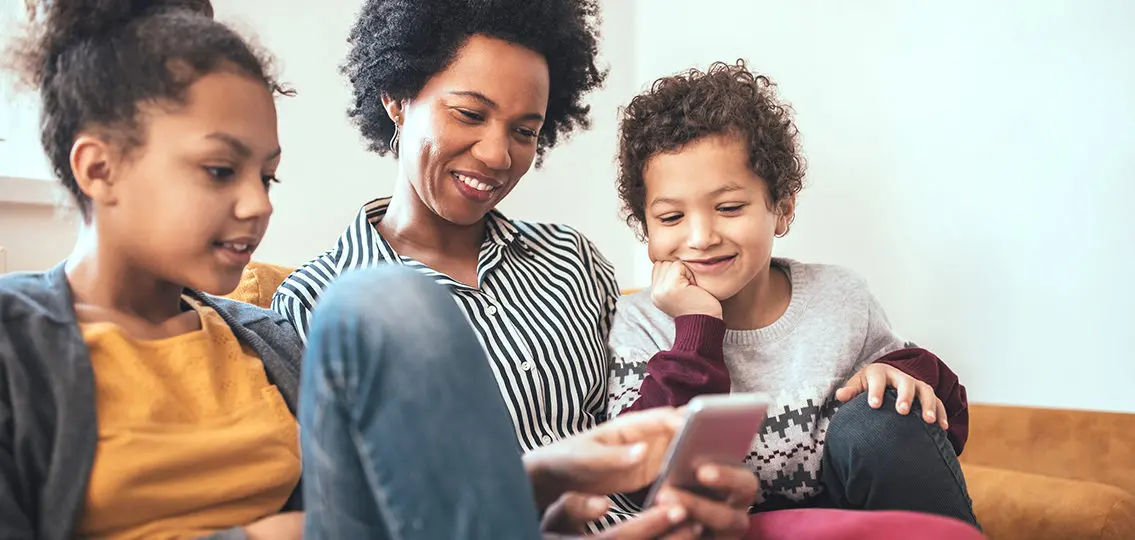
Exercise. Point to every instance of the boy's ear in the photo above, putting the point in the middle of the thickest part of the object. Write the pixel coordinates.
(785, 214)
(92, 164)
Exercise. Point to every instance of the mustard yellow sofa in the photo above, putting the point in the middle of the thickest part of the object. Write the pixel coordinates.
(1034, 474)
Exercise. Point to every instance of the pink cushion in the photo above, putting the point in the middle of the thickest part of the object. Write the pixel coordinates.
(828, 524)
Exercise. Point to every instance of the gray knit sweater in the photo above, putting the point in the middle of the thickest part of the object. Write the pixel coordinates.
(833, 327)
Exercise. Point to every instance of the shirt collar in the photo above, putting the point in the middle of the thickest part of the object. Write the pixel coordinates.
(499, 231)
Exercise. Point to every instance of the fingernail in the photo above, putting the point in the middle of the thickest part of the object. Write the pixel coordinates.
(697, 530)
(710, 474)
(676, 514)
(597, 504)
(931, 415)
(873, 401)
(666, 498)
(904, 408)
(945, 424)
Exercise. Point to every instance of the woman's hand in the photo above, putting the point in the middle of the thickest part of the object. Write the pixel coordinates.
(569, 515)
(728, 517)
(622, 455)
(875, 378)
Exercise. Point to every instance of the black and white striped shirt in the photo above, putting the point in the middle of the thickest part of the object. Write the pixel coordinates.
(542, 312)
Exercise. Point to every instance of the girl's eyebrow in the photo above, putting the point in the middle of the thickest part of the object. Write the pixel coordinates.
(237, 145)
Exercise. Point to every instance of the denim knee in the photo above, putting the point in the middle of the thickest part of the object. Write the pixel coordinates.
(389, 294)
(391, 308)
(857, 429)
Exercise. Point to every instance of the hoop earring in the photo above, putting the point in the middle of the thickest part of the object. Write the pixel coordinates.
(394, 140)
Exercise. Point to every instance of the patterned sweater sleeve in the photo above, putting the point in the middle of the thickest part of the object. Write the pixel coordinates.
(647, 373)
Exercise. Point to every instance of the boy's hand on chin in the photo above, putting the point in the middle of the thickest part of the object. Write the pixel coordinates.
(674, 290)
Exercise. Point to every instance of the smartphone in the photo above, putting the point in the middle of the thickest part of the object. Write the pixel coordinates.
(718, 429)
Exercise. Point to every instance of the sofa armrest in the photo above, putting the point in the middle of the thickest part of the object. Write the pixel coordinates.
(258, 283)
(1013, 505)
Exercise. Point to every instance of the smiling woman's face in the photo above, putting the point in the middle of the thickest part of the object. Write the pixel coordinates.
(469, 136)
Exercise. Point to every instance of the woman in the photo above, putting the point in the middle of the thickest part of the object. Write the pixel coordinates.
(467, 95)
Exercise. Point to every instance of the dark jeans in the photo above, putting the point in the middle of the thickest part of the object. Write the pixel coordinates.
(877, 459)
(404, 432)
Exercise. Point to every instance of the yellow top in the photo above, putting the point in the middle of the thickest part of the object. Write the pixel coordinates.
(192, 437)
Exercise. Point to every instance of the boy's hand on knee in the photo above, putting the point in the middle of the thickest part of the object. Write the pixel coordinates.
(674, 290)
(876, 378)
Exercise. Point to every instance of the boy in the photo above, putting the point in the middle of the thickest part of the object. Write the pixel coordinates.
(710, 167)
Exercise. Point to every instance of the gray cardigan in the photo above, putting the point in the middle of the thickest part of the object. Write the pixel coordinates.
(47, 399)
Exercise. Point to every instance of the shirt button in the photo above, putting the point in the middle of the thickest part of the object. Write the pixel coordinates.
(492, 310)
(546, 439)
(526, 366)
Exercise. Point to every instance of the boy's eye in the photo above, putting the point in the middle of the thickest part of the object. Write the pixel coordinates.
(730, 208)
(221, 173)
(670, 218)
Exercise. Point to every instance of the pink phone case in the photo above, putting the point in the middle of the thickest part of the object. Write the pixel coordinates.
(719, 429)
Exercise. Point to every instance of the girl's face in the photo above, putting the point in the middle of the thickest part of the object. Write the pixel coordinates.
(470, 134)
(190, 204)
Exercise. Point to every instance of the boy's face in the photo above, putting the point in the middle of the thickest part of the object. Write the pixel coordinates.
(707, 208)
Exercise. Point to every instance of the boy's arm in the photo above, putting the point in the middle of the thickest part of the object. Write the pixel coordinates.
(881, 345)
(695, 365)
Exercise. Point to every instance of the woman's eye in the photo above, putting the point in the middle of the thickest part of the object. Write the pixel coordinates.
(269, 179)
(221, 173)
(471, 115)
(527, 133)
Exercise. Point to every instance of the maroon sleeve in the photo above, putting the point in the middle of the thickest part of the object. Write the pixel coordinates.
(928, 368)
(694, 366)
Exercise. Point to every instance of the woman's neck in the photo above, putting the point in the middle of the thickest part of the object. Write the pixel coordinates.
(103, 280)
(412, 228)
(760, 303)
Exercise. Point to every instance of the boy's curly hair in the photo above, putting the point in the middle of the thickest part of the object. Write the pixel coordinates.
(397, 45)
(683, 108)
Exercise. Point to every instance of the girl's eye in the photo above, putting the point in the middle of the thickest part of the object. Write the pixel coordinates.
(730, 208)
(269, 179)
(670, 218)
(527, 133)
(220, 173)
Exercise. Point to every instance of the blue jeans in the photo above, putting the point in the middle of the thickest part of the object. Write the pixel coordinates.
(877, 459)
(404, 432)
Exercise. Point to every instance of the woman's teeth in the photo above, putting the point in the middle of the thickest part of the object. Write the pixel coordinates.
(479, 186)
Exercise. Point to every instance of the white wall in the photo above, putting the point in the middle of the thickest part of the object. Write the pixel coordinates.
(972, 159)
(327, 174)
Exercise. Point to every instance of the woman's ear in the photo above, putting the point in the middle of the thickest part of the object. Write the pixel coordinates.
(785, 214)
(393, 109)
